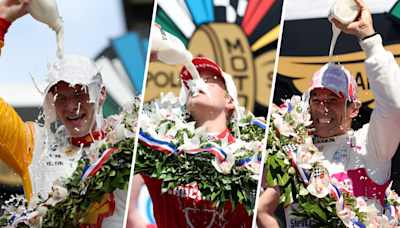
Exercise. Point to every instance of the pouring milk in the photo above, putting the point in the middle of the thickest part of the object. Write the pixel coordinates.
(46, 11)
(172, 51)
(345, 11)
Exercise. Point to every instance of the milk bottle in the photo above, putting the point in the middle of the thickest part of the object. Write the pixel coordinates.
(345, 11)
(46, 11)
(172, 50)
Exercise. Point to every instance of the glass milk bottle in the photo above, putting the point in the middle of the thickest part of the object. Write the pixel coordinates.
(171, 50)
(345, 11)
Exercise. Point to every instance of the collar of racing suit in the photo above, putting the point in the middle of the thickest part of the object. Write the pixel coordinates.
(334, 140)
(90, 137)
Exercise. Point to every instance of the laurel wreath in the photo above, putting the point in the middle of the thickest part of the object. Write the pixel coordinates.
(280, 171)
(183, 169)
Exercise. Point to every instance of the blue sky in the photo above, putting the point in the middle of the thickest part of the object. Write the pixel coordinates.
(89, 25)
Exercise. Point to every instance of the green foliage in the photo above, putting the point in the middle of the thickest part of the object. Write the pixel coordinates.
(114, 174)
(184, 169)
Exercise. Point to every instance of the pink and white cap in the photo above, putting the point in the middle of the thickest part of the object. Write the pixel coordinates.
(74, 70)
(202, 64)
(336, 79)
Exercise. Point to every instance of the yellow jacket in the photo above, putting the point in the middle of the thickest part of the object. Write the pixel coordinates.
(17, 143)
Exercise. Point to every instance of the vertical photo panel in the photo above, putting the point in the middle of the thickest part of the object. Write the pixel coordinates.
(71, 76)
(206, 98)
(334, 124)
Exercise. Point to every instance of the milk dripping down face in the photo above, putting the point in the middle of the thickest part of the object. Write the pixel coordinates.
(202, 101)
(330, 114)
(74, 108)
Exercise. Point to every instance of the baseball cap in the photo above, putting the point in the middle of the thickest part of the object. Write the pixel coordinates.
(74, 70)
(336, 79)
(203, 64)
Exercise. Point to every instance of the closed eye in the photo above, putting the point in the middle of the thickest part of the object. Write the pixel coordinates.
(210, 80)
(60, 98)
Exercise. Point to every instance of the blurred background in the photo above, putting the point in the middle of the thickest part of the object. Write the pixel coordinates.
(114, 33)
(305, 44)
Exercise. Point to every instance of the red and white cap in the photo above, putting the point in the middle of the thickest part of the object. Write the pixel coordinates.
(202, 64)
(336, 79)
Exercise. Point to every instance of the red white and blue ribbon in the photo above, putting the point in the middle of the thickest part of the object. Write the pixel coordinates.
(213, 150)
(357, 224)
(335, 191)
(90, 170)
(289, 107)
(392, 211)
(155, 144)
(242, 164)
(31, 209)
(259, 123)
(169, 148)
(115, 127)
(301, 171)
(256, 121)
(23, 217)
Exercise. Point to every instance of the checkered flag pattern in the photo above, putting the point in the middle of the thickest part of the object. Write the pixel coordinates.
(317, 172)
(254, 193)
(210, 138)
(231, 11)
(290, 147)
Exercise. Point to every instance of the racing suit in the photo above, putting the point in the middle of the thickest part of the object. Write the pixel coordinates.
(360, 161)
(22, 146)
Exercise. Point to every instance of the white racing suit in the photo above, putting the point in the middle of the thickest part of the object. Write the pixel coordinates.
(360, 161)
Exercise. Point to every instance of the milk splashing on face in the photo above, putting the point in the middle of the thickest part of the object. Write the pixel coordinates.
(195, 85)
(79, 107)
(94, 95)
(84, 87)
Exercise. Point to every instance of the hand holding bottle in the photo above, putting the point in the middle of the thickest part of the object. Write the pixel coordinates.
(154, 55)
(362, 26)
(13, 9)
